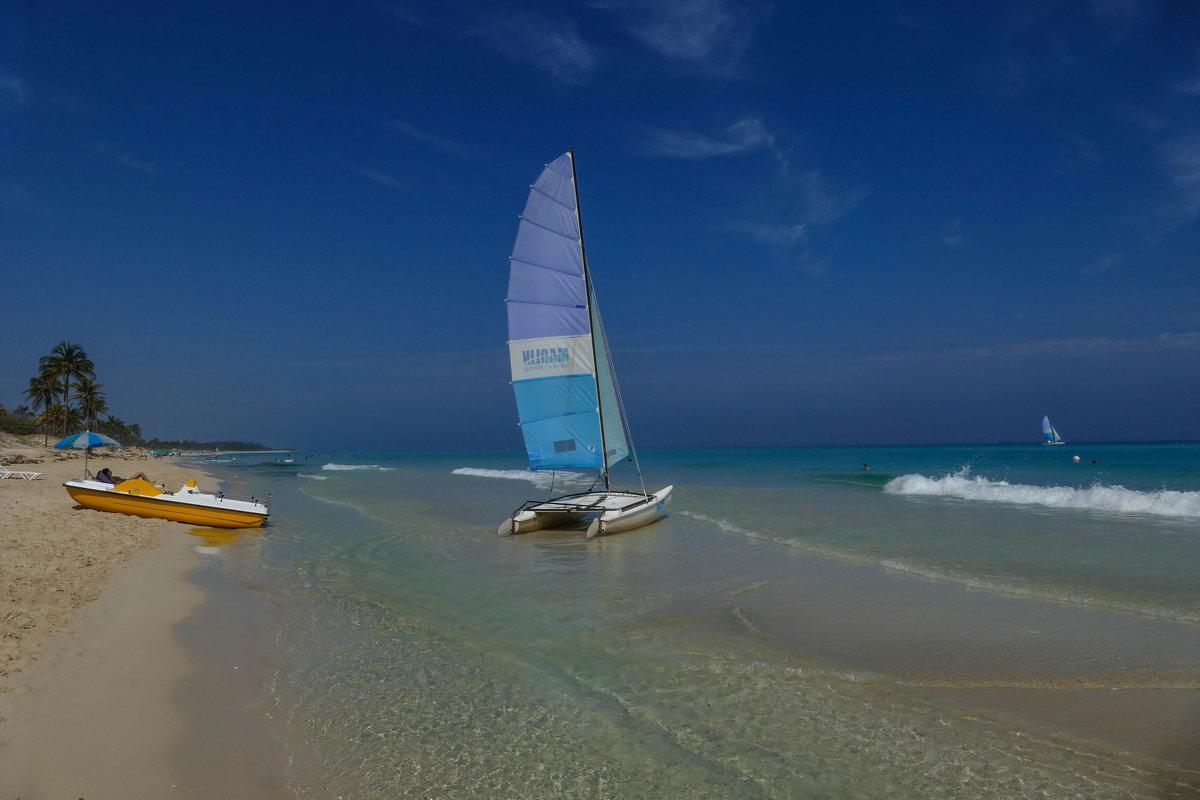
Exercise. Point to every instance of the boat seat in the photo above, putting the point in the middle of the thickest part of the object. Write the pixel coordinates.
(139, 487)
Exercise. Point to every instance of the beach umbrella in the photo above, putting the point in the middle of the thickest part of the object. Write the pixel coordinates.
(87, 440)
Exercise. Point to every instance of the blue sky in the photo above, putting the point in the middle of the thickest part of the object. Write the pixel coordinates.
(809, 223)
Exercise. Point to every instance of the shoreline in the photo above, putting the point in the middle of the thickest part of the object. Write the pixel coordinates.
(106, 621)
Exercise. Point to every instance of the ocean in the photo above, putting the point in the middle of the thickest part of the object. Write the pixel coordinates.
(996, 621)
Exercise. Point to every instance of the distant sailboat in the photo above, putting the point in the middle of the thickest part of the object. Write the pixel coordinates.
(567, 397)
(1049, 433)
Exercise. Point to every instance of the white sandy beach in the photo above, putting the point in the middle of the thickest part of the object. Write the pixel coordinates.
(89, 662)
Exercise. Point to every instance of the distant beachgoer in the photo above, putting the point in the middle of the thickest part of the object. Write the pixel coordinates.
(105, 476)
(865, 466)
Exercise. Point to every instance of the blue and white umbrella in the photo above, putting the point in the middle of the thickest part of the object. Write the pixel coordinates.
(88, 440)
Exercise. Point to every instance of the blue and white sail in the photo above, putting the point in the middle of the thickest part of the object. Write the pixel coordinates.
(566, 395)
(1048, 433)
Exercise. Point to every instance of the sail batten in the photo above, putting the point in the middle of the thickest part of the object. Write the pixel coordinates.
(537, 303)
(548, 229)
(531, 265)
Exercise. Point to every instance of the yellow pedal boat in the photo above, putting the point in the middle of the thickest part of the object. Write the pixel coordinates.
(143, 499)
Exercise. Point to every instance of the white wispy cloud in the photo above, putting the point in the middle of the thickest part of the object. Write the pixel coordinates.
(124, 159)
(1033, 50)
(1191, 84)
(801, 202)
(821, 204)
(378, 178)
(15, 197)
(802, 206)
(437, 142)
(406, 15)
(910, 21)
(1103, 264)
(742, 136)
(1149, 121)
(953, 237)
(1179, 159)
(709, 35)
(14, 91)
(1116, 9)
(775, 234)
(1081, 148)
(551, 45)
(1118, 16)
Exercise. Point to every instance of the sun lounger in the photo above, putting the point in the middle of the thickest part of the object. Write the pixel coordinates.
(29, 476)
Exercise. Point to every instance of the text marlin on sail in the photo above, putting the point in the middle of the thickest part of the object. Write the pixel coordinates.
(545, 355)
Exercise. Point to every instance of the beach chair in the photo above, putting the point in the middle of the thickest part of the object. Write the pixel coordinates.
(5, 472)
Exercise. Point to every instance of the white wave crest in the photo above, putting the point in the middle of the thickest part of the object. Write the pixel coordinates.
(347, 467)
(1116, 499)
(542, 480)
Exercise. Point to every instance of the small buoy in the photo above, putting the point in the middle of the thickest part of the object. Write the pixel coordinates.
(1076, 459)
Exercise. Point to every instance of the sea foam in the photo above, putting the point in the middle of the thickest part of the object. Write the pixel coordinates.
(1118, 499)
(340, 467)
(542, 480)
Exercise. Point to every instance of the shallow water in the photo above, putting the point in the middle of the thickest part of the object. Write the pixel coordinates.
(798, 627)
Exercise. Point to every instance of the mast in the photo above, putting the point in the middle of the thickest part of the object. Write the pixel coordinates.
(587, 282)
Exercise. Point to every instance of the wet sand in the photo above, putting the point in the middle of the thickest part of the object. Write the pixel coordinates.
(233, 745)
(127, 669)
(1129, 683)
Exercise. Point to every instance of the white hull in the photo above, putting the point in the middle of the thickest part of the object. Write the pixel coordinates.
(140, 498)
(609, 512)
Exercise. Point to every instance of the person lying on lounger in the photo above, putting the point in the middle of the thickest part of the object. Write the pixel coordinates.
(105, 476)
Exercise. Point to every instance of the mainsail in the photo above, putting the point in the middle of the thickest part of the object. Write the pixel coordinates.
(1051, 436)
(567, 399)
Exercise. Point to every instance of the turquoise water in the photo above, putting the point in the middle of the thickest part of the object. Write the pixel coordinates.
(798, 627)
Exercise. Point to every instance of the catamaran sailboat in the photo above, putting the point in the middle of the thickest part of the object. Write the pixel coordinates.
(1051, 436)
(567, 398)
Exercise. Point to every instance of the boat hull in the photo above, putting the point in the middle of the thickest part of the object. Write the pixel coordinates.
(202, 509)
(651, 510)
(608, 512)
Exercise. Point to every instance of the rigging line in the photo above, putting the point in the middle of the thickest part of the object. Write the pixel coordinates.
(589, 295)
(612, 372)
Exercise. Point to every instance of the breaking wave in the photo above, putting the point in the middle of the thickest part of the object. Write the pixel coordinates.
(542, 480)
(339, 467)
(1114, 499)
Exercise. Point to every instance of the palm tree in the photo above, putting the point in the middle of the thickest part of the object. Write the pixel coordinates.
(55, 414)
(41, 393)
(91, 400)
(66, 362)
